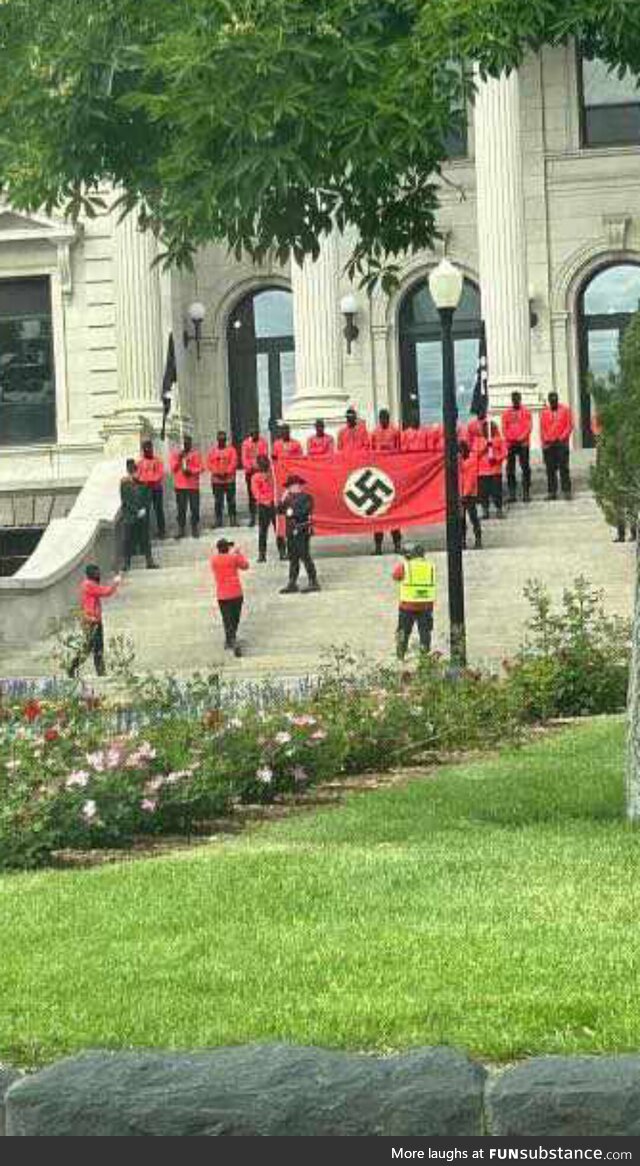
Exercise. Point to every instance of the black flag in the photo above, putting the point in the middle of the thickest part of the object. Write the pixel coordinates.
(168, 381)
(480, 399)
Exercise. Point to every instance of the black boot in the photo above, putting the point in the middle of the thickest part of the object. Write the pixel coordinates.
(478, 543)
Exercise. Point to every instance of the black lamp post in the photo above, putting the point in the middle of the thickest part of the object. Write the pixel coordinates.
(445, 285)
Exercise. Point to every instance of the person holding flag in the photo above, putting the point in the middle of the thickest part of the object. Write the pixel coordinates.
(253, 447)
(285, 445)
(353, 437)
(385, 439)
(264, 495)
(320, 444)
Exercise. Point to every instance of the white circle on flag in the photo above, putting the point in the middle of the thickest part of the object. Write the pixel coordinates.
(368, 492)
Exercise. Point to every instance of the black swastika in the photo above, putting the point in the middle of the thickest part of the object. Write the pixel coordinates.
(369, 493)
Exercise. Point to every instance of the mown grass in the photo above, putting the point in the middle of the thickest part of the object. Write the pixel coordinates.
(493, 906)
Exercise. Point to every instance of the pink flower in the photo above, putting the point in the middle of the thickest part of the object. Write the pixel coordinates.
(319, 735)
(302, 720)
(89, 811)
(149, 805)
(264, 775)
(79, 778)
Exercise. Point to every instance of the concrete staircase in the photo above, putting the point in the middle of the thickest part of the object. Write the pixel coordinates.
(171, 617)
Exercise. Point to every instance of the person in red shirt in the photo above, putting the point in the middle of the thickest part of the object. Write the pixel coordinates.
(222, 463)
(353, 436)
(320, 444)
(385, 439)
(436, 438)
(92, 592)
(556, 427)
(492, 452)
(150, 473)
(253, 447)
(468, 490)
(406, 438)
(285, 445)
(263, 486)
(516, 430)
(186, 466)
(225, 566)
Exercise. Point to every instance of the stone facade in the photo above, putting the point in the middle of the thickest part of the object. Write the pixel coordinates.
(529, 215)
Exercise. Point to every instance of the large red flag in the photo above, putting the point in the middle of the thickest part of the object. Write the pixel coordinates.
(367, 491)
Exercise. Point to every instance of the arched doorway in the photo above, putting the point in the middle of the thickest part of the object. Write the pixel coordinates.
(421, 353)
(260, 349)
(606, 304)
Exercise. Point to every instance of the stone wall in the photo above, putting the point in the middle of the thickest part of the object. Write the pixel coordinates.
(281, 1090)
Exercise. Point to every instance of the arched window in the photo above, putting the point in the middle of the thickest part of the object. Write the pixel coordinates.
(261, 360)
(421, 353)
(606, 304)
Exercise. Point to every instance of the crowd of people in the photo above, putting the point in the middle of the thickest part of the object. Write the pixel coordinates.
(486, 448)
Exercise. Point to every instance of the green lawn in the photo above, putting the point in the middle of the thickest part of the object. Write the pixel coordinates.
(493, 906)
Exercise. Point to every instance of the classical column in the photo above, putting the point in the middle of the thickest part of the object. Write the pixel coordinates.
(141, 338)
(502, 238)
(317, 332)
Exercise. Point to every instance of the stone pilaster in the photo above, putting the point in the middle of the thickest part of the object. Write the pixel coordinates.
(317, 326)
(141, 339)
(502, 238)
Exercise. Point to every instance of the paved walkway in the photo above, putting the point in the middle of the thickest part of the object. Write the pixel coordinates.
(169, 613)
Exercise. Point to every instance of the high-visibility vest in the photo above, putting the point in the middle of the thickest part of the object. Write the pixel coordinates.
(419, 583)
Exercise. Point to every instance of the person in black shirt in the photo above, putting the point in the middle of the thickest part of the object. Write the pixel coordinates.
(134, 499)
(297, 507)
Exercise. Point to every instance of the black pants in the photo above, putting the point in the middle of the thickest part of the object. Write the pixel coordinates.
(267, 518)
(396, 536)
(299, 549)
(220, 492)
(556, 461)
(230, 610)
(519, 453)
(406, 621)
(468, 506)
(157, 502)
(191, 499)
(253, 509)
(490, 488)
(93, 645)
(621, 530)
(136, 540)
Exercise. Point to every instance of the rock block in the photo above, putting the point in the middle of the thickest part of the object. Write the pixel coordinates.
(567, 1097)
(249, 1091)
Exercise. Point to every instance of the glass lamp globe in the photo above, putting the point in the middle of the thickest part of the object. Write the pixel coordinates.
(445, 284)
(349, 304)
(197, 312)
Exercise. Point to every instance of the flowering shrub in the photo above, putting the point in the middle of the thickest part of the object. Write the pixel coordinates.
(76, 774)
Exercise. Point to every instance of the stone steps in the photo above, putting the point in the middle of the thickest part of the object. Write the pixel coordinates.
(170, 613)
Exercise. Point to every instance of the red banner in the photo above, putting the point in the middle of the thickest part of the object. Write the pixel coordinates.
(368, 491)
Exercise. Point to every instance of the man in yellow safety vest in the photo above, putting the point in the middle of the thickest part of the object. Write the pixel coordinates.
(417, 579)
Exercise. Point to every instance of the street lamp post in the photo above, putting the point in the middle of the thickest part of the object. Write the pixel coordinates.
(445, 285)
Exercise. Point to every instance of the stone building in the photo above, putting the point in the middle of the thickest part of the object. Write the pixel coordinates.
(539, 208)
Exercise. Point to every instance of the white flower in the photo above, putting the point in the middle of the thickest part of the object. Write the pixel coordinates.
(154, 784)
(265, 775)
(79, 778)
(282, 738)
(235, 723)
(89, 811)
(13, 765)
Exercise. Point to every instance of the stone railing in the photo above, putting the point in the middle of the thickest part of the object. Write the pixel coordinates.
(283, 1090)
(46, 587)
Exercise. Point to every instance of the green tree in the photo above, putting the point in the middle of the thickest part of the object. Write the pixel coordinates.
(616, 481)
(261, 122)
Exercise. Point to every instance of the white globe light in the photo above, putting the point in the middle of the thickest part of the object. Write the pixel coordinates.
(349, 305)
(445, 284)
(197, 312)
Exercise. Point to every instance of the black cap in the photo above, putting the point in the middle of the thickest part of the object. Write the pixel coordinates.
(295, 480)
